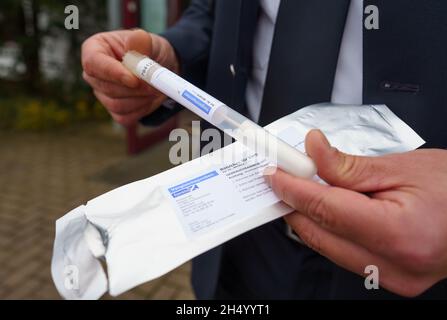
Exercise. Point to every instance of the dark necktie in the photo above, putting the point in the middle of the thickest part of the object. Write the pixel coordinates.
(304, 56)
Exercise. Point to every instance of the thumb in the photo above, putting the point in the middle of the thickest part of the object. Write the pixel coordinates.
(362, 174)
(140, 41)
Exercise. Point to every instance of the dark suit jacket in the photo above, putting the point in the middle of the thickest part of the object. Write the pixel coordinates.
(405, 67)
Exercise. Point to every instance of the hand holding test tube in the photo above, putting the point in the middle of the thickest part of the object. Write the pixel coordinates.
(223, 117)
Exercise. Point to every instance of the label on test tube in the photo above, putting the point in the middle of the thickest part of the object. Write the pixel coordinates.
(195, 100)
(144, 67)
(188, 95)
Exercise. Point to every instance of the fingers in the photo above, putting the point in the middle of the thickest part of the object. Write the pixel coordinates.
(123, 106)
(106, 68)
(118, 91)
(355, 258)
(140, 41)
(340, 251)
(101, 55)
(100, 60)
(346, 213)
(132, 118)
(128, 111)
(362, 174)
(125, 96)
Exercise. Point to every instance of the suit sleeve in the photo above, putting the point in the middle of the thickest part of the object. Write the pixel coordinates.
(191, 35)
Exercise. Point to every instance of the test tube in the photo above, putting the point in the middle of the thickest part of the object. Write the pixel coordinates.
(220, 115)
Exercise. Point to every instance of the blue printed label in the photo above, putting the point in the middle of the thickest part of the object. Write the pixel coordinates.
(196, 101)
(191, 185)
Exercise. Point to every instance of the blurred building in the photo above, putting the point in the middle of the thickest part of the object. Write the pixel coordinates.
(151, 15)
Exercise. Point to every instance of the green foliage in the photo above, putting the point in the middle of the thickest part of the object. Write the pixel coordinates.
(33, 114)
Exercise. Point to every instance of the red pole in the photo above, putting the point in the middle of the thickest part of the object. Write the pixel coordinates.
(174, 11)
(131, 13)
(131, 19)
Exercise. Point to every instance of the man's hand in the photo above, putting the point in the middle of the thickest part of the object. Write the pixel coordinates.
(125, 96)
(388, 211)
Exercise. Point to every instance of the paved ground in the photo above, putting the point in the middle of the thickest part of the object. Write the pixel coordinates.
(43, 176)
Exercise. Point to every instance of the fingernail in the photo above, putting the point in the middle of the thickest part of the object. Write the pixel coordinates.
(268, 173)
(323, 138)
(270, 170)
(128, 81)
